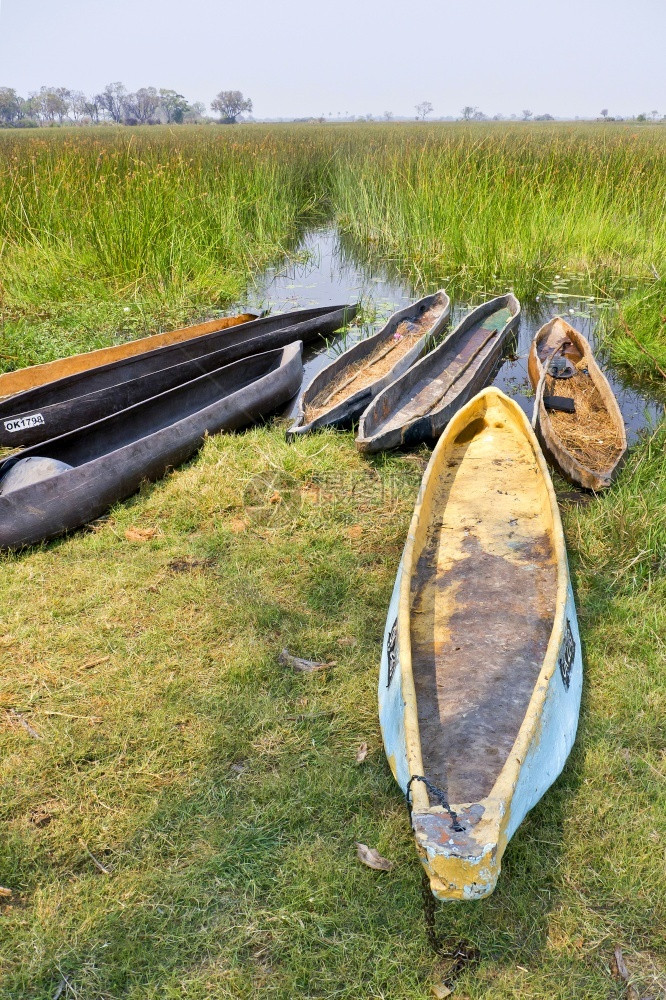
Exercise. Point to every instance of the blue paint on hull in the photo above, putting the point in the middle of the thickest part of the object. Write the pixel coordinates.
(391, 701)
(551, 743)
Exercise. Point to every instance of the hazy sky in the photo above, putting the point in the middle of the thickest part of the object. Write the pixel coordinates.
(297, 58)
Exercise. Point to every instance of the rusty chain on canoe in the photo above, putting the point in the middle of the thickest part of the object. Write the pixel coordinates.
(435, 940)
(436, 793)
(461, 954)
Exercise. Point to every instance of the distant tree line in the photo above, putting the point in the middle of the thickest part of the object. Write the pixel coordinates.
(470, 113)
(147, 106)
(150, 106)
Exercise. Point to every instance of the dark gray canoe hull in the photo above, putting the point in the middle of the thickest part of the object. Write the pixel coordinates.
(371, 438)
(106, 474)
(57, 407)
(344, 414)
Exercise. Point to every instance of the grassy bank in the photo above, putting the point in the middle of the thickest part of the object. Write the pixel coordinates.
(221, 793)
(179, 812)
(638, 334)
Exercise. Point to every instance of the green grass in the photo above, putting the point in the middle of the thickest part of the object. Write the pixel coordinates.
(146, 724)
(642, 319)
(483, 208)
(222, 793)
(477, 205)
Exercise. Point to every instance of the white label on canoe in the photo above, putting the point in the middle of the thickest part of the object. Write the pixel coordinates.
(23, 423)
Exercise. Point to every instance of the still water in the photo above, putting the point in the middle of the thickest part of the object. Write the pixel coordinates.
(324, 274)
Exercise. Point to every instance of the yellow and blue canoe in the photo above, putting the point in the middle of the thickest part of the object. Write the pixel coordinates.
(481, 671)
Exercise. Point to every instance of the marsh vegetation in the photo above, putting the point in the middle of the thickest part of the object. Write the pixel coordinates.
(179, 811)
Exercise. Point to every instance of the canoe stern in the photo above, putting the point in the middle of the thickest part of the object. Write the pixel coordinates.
(462, 859)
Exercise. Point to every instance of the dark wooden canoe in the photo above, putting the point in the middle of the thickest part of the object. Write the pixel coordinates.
(589, 444)
(70, 402)
(418, 405)
(28, 378)
(339, 393)
(65, 482)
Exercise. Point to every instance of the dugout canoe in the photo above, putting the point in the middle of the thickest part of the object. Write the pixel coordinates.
(63, 483)
(49, 371)
(339, 393)
(587, 445)
(481, 670)
(417, 406)
(57, 407)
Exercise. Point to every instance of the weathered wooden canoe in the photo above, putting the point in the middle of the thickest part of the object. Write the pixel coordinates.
(481, 671)
(589, 444)
(339, 393)
(28, 378)
(69, 480)
(74, 400)
(419, 404)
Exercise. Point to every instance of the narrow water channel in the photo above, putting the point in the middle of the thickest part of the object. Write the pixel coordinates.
(324, 274)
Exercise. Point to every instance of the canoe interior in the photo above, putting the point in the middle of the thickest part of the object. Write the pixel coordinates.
(483, 591)
(114, 432)
(439, 377)
(247, 338)
(365, 369)
(592, 435)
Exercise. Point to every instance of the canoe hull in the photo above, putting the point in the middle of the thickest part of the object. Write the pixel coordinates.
(372, 437)
(73, 498)
(29, 378)
(465, 864)
(58, 407)
(345, 413)
(59, 418)
(571, 468)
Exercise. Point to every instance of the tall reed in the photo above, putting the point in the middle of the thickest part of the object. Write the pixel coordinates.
(497, 205)
(164, 213)
(184, 216)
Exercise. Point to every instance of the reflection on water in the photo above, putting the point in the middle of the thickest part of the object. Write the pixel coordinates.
(325, 274)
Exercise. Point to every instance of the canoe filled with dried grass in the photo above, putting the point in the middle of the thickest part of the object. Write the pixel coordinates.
(576, 416)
